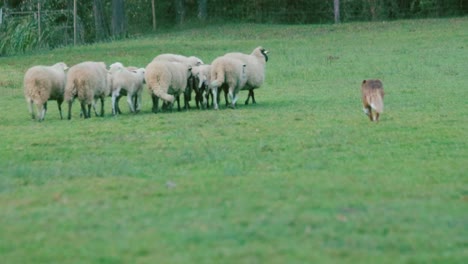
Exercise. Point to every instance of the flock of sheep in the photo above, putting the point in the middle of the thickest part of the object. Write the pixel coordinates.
(167, 77)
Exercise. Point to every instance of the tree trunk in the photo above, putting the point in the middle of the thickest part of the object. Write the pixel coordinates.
(336, 5)
(180, 11)
(153, 10)
(119, 28)
(202, 7)
(102, 30)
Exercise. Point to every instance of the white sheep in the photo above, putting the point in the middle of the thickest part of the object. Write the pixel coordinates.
(230, 72)
(87, 81)
(192, 61)
(129, 83)
(43, 83)
(202, 77)
(255, 64)
(166, 80)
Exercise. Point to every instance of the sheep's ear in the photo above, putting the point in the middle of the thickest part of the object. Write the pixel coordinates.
(363, 82)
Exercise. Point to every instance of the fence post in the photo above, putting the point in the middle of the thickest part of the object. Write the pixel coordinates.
(74, 22)
(39, 19)
(336, 5)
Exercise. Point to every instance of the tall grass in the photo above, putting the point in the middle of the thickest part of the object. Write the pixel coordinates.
(302, 176)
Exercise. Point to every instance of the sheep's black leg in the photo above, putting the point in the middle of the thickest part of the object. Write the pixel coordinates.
(155, 100)
(253, 96)
(102, 107)
(59, 104)
(187, 99)
(135, 102)
(89, 111)
(83, 110)
(69, 109)
(178, 103)
(117, 108)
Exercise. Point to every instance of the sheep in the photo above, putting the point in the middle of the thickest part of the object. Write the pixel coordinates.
(201, 75)
(165, 79)
(192, 61)
(372, 98)
(125, 82)
(255, 69)
(43, 83)
(230, 72)
(88, 81)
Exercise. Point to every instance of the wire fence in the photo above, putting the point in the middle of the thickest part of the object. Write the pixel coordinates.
(51, 25)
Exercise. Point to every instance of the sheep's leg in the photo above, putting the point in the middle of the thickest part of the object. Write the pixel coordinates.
(226, 93)
(69, 109)
(102, 107)
(130, 103)
(187, 98)
(113, 101)
(155, 103)
(59, 104)
(135, 102)
(253, 96)
(44, 111)
(232, 97)
(138, 107)
(40, 112)
(117, 107)
(178, 102)
(214, 92)
(83, 109)
(31, 109)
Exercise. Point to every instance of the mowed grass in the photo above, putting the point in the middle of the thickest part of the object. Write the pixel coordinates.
(300, 177)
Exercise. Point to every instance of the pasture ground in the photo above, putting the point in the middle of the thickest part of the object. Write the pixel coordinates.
(300, 177)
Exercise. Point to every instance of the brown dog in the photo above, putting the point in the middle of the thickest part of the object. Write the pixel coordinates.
(372, 98)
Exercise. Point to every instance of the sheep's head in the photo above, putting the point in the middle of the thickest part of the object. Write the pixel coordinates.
(264, 53)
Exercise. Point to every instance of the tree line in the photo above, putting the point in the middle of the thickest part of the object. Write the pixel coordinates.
(99, 20)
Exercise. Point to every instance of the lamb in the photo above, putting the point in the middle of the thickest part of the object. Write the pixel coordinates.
(192, 61)
(255, 64)
(88, 81)
(43, 83)
(125, 82)
(165, 79)
(202, 76)
(372, 98)
(230, 72)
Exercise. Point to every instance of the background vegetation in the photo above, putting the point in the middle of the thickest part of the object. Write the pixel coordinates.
(300, 177)
(96, 20)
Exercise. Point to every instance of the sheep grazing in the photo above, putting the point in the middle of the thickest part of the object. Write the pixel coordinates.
(255, 64)
(87, 81)
(166, 80)
(43, 83)
(129, 83)
(202, 77)
(372, 98)
(230, 72)
(192, 61)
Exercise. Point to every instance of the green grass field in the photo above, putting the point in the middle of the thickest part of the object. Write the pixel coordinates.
(300, 177)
